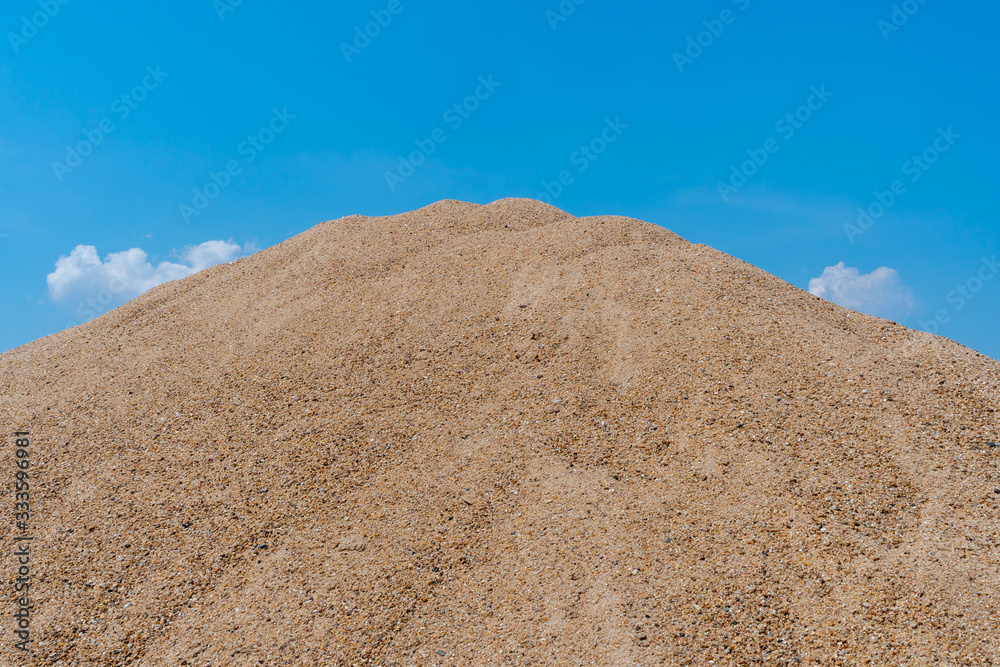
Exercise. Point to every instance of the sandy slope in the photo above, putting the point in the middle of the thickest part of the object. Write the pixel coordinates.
(502, 435)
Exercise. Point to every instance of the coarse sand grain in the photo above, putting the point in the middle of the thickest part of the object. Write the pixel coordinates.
(503, 435)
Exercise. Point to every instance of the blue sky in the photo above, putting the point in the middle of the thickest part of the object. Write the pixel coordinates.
(142, 142)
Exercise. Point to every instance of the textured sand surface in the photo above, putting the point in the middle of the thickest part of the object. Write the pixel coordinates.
(502, 435)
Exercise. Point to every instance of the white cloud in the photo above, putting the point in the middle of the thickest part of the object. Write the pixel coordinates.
(881, 292)
(88, 286)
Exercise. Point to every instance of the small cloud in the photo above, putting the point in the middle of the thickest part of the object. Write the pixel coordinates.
(250, 248)
(88, 286)
(881, 293)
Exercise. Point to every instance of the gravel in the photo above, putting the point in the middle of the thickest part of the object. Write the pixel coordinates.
(335, 398)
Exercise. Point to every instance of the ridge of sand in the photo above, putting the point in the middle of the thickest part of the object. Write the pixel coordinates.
(502, 435)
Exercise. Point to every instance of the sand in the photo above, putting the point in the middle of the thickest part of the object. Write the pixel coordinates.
(502, 435)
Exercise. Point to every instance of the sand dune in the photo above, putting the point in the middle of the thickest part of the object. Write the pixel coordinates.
(502, 435)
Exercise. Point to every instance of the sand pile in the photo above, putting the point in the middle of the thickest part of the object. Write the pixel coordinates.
(502, 435)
